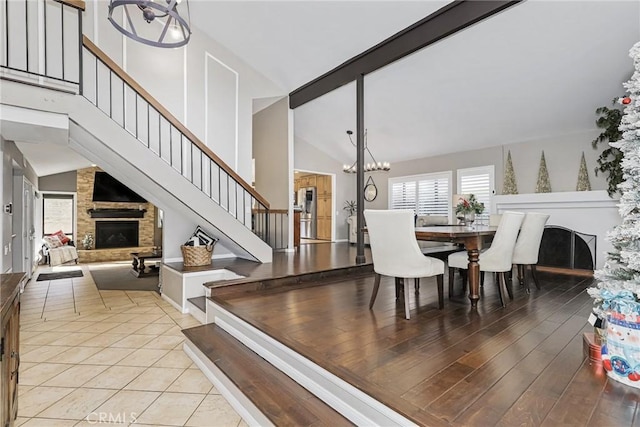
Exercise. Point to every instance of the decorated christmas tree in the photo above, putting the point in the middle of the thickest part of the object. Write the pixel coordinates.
(510, 186)
(618, 291)
(583, 176)
(543, 185)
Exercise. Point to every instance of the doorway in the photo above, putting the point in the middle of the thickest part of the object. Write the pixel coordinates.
(313, 196)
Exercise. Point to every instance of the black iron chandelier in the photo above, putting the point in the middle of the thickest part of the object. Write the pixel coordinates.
(368, 167)
(166, 27)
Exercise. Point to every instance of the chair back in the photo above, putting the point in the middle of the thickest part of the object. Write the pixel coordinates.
(528, 243)
(498, 257)
(394, 247)
(494, 219)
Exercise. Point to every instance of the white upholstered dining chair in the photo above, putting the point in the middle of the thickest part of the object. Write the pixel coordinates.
(498, 258)
(395, 252)
(527, 246)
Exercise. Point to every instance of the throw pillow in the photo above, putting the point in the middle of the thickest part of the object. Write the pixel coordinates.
(203, 238)
(52, 241)
(63, 237)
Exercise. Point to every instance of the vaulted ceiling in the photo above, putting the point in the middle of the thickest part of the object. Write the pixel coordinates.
(535, 70)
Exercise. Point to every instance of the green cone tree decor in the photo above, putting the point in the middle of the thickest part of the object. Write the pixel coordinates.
(543, 185)
(509, 186)
(583, 176)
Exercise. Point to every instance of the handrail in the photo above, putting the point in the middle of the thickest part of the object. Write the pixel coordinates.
(78, 4)
(87, 43)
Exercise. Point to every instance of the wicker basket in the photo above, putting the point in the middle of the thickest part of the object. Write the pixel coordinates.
(195, 256)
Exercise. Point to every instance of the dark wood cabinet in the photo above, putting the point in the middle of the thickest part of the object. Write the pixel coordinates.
(10, 346)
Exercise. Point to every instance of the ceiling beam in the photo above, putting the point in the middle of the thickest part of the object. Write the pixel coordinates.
(444, 22)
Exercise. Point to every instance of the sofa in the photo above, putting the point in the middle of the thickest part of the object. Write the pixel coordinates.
(58, 249)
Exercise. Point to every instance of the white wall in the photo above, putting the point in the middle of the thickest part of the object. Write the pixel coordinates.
(65, 181)
(200, 81)
(176, 231)
(562, 155)
(7, 197)
(13, 163)
(309, 158)
(271, 151)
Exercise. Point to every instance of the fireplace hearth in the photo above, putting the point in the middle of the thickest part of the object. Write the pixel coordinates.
(116, 234)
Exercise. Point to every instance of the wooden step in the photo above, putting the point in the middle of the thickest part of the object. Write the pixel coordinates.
(285, 282)
(283, 401)
(199, 302)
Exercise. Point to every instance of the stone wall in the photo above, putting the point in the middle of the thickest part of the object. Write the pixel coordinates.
(86, 224)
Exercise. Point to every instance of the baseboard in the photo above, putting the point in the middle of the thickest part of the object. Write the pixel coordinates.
(196, 313)
(173, 303)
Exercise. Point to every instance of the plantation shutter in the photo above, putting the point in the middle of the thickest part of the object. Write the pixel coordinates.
(433, 196)
(403, 195)
(428, 194)
(477, 181)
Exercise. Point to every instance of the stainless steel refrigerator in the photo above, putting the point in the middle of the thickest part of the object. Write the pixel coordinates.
(308, 218)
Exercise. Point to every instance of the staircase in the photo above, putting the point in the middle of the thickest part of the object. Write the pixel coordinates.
(115, 123)
(104, 115)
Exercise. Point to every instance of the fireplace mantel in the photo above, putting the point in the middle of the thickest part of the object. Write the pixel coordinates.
(116, 213)
(589, 212)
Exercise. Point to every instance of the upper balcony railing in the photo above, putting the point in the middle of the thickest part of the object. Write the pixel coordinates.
(40, 41)
(43, 39)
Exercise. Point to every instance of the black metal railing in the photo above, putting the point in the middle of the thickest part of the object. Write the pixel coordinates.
(116, 94)
(42, 39)
(276, 232)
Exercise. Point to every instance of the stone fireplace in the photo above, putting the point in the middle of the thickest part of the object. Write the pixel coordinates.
(118, 228)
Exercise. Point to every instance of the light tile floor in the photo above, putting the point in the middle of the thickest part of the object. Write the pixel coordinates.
(91, 357)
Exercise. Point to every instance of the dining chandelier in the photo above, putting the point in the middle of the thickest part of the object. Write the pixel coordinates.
(368, 167)
(164, 27)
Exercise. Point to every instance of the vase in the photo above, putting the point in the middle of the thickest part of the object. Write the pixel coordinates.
(621, 352)
(469, 218)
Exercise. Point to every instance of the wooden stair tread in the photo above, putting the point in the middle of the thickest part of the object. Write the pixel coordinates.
(276, 395)
(200, 302)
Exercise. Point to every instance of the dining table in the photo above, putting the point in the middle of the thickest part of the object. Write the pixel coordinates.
(472, 238)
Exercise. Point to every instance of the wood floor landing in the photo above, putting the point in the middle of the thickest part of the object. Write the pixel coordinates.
(281, 399)
(307, 264)
(519, 365)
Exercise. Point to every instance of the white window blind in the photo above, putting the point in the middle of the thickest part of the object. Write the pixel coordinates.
(477, 181)
(428, 194)
(403, 195)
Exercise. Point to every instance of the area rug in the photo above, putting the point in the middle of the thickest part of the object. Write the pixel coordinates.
(119, 278)
(59, 275)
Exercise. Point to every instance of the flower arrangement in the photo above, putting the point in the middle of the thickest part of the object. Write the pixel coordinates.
(469, 204)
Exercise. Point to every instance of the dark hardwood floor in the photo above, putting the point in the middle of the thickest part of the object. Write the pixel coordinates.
(519, 365)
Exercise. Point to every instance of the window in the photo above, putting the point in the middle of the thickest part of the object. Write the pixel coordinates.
(428, 194)
(58, 213)
(478, 181)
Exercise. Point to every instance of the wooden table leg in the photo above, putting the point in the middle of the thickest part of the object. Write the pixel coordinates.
(473, 251)
(141, 267)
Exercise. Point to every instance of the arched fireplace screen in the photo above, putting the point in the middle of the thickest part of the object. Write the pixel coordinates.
(566, 248)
